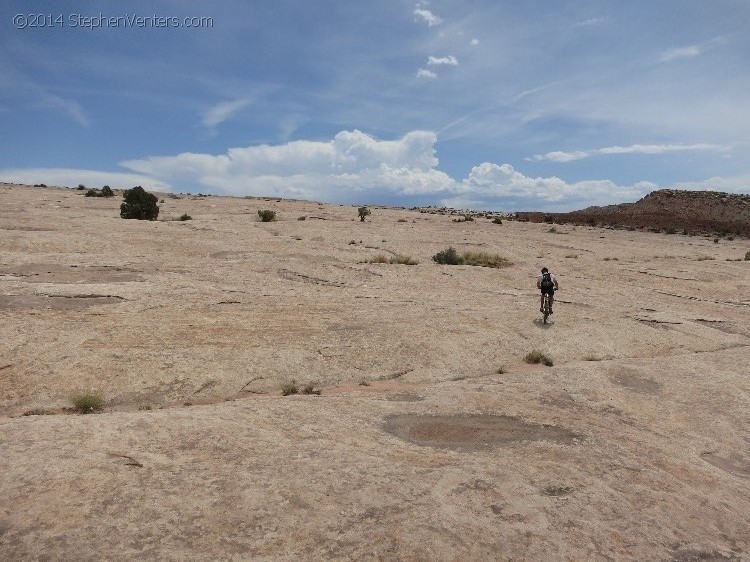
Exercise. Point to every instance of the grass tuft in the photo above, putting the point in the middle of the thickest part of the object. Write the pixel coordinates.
(87, 402)
(289, 388)
(535, 357)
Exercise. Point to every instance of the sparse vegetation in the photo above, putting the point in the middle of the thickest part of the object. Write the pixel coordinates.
(464, 218)
(289, 388)
(106, 192)
(747, 256)
(704, 258)
(186, 217)
(572, 256)
(397, 259)
(303, 217)
(401, 220)
(592, 357)
(310, 389)
(552, 230)
(38, 411)
(716, 240)
(501, 370)
(81, 187)
(363, 212)
(484, 259)
(497, 220)
(267, 215)
(91, 193)
(139, 204)
(87, 402)
(536, 357)
(448, 257)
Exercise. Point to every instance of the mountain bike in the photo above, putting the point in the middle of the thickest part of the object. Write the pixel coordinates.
(545, 308)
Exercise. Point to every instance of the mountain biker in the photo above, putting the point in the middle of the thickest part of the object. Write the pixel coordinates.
(547, 283)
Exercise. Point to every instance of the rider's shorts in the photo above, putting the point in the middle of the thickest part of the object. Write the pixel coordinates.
(548, 291)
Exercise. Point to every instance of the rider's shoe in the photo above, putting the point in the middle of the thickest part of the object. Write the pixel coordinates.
(541, 309)
(550, 311)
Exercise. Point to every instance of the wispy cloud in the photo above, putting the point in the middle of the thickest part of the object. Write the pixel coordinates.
(219, 113)
(450, 60)
(424, 15)
(560, 156)
(71, 107)
(680, 53)
(425, 73)
(590, 22)
(474, 42)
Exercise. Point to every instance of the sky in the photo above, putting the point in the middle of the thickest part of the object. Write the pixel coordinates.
(474, 104)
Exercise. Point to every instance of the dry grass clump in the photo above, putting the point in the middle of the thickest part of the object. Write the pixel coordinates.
(397, 259)
(289, 388)
(87, 402)
(484, 259)
(536, 357)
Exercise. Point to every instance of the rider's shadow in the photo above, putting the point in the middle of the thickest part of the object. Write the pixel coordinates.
(540, 323)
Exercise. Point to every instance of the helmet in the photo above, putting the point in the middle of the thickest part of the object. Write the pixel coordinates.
(545, 270)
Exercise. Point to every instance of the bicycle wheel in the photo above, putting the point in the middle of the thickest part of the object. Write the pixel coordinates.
(546, 308)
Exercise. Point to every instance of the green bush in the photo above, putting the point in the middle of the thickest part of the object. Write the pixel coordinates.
(91, 193)
(87, 403)
(186, 217)
(107, 192)
(448, 257)
(139, 204)
(536, 357)
(363, 212)
(267, 215)
(81, 187)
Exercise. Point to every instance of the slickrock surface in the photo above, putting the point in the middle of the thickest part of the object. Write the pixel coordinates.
(634, 445)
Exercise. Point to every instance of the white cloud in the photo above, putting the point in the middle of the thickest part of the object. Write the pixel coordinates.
(680, 53)
(424, 73)
(559, 156)
(72, 177)
(590, 21)
(354, 167)
(425, 15)
(222, 111)
(450, 60)
(71, 107)
(474, 42)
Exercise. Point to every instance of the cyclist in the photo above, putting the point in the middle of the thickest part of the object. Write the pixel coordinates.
(547, 283)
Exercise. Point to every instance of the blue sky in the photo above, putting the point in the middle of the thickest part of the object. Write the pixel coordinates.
(474, 104)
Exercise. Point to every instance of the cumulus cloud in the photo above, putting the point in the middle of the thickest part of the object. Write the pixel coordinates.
(425, 73)
(354, 167)
(474, 42)
(450, 60)
(219, 113)
(352, 162)
(560, 156)
(424, 15)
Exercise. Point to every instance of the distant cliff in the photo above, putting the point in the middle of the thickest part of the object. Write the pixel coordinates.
(667, 210)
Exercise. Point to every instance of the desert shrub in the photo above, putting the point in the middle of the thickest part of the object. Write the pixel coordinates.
(536, 357)
(91, 193)
(139, 204)
(501, 370)
(552, 230)
(670, 230)
(267, 215)
(747, 256)
(448, 257)
(310, 389)
(401, 220)
(81, 187)
(186, 217)
(380, 258)
(38, 411)
(402, 260)
(363, 212)
(289, 388)
(39, 185)
(303, 217)
(107, 192)
(716, 240)
(87, 403)
(497, 220)
(591, 357)
(483, 259)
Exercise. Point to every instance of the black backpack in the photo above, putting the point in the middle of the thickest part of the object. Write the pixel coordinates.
(547, 281)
